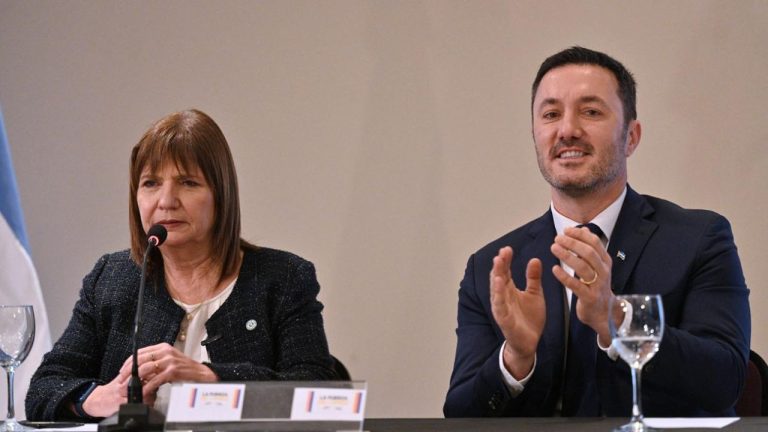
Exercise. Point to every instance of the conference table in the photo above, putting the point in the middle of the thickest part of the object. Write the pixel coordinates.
(537, 424)
(556, 424)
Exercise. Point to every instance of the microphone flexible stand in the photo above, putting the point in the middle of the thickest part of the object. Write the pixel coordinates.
(135, 416)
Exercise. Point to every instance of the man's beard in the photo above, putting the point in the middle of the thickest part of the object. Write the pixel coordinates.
(600, 175)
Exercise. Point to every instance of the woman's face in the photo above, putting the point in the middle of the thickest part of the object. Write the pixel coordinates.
(181, 202)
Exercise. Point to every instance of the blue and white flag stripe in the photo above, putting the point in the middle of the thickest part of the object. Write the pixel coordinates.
(10, 207)
(18, 279)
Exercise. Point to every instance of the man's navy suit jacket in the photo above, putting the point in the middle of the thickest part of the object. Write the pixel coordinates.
(687, 256)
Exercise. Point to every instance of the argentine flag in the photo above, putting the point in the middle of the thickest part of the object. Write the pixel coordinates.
(18, 280)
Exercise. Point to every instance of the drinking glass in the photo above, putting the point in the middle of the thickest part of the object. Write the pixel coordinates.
(17, 334)
(637, 326)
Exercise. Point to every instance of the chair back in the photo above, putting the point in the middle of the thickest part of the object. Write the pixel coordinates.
(754, 399)
(342, 374)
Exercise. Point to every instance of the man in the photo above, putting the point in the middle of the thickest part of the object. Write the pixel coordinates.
(521, 350)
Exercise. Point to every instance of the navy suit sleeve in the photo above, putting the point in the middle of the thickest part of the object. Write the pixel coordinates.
(477, 387)
(702, 358)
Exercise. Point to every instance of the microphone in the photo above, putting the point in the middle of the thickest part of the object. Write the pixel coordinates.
(156, 236)
(134, 415)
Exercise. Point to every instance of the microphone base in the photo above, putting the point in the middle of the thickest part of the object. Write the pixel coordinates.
(133, 417)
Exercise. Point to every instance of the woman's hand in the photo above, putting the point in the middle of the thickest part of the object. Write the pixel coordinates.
(162, 363)
(106, 399)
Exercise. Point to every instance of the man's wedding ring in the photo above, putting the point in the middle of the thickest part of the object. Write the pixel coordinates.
(590, 282)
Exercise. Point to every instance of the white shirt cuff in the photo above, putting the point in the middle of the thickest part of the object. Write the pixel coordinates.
(515, 387)
(610, 350)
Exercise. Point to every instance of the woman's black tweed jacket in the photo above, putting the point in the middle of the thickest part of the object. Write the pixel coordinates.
(276, 289)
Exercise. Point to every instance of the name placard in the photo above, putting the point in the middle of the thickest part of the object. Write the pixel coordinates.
(195, 402)
(328, 404)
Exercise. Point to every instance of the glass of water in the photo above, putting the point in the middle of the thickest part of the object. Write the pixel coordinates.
(17, 334)
(637, 326)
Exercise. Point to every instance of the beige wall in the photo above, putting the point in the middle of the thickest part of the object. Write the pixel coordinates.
(384, 141)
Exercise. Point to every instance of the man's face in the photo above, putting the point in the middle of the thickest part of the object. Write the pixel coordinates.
(578, 129)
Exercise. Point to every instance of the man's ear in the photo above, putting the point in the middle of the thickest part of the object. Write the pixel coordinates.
(633, 137)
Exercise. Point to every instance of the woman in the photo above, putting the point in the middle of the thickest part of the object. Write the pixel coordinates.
(216, 308)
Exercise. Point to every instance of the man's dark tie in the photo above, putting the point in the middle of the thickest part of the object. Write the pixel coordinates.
(580, 395)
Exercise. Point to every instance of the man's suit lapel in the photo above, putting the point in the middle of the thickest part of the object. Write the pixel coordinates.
(552, 344)
(633, 230)
(542, 235)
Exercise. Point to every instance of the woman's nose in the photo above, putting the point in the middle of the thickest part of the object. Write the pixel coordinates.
(168, 196)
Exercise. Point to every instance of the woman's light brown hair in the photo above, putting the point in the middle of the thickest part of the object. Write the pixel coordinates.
(190, 139)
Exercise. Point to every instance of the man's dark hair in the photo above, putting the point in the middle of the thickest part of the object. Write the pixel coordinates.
(583, 56)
